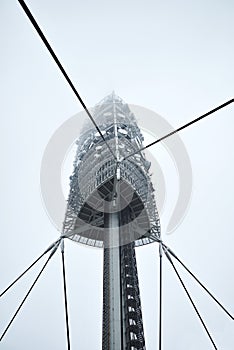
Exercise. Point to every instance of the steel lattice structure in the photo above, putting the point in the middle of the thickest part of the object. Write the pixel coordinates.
(111, 205)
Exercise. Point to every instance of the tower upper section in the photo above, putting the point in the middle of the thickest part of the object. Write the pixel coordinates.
(98, 178)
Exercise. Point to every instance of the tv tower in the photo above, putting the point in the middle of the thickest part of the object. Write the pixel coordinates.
(111, 205)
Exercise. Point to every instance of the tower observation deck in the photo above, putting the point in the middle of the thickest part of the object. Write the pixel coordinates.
(111, 205)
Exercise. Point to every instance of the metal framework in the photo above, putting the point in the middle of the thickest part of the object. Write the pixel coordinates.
(111, 205)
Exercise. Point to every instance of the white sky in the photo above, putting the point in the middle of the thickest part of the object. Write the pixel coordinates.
(174, 57)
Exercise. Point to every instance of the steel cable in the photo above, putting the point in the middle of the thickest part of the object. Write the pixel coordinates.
(65, 296)
(51, 51)
(25, 271)
(182, 127)
(191, 300)
(199, 282)
(29, 291)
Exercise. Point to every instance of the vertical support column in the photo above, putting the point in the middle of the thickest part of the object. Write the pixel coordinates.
(112, 288)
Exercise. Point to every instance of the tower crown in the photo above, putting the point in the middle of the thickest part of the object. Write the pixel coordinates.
(93, 181)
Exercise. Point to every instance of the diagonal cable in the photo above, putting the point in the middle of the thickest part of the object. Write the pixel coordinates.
(190, 298)
(51, 51)
(160, 296)
(25, 271)
(181, 128)
(65, 295)
(29, 291)
(199, 282)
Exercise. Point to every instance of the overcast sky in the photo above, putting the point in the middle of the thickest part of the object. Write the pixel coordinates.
(173, 57)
